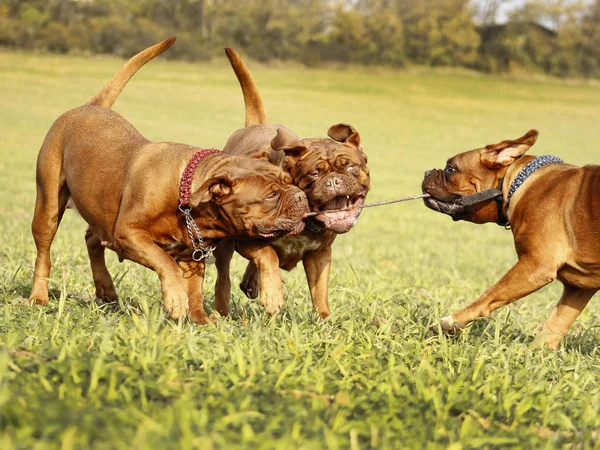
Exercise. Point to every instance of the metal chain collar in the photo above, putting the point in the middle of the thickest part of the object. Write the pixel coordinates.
(200, 251)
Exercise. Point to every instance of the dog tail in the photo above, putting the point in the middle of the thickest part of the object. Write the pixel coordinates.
(255, 111)
(108, 95)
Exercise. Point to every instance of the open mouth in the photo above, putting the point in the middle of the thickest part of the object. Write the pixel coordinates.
(340, 221)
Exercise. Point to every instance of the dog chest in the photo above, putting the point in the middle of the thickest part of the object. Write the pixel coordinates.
(291, 250)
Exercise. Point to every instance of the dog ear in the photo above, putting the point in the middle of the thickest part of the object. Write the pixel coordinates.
(276, 157)
(496, 156)
(213, 189)
(345, 133)
(288, 144)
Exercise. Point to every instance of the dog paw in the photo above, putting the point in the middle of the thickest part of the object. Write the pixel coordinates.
(272, 300)
(41, 301)
(250, 287)
(29, 301)
(447, 325)
(548, 339)
(105, 293)
(201, 318)
(176, 306)
(324, 314)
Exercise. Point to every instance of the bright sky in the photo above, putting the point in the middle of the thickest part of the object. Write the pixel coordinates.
(506, 8)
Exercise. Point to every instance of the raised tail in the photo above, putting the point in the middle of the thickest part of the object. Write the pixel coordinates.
(255, 111)
(108, 95)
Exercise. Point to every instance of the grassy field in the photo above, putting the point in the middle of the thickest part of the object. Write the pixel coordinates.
(79, 375)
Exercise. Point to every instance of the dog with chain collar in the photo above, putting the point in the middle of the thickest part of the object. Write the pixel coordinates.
(129, 192)
(553, 209)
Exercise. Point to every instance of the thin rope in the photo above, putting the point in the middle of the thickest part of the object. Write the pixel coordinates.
(371, 205)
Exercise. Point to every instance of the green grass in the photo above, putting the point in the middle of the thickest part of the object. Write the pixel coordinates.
(79, 375)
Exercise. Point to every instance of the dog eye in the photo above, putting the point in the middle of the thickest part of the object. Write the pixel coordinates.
(352, 168)
(272, 196)
(450, 169)
(314, 174)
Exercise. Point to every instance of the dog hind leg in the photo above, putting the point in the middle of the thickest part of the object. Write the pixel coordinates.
(223, 255)
(570, 305)
(105, 289)
(50, 205)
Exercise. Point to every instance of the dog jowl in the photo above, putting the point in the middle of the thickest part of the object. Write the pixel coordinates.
(553, 210)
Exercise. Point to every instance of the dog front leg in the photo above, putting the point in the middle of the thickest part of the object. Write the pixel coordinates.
(522, 279)
(561, 318)
(266, 261)
(317, 265)
(193, 275)
(138, 246)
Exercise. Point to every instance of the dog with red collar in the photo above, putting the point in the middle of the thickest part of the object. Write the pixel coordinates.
(162, 205)
(553, 210)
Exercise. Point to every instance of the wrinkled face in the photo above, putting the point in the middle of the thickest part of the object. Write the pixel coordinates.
(472, 172)
(333, 175)
(258, 200)
(463, 175)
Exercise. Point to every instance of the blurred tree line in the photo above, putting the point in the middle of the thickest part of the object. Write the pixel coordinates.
(560, 37)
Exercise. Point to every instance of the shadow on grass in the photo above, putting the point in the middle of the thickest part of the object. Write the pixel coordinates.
(250, 311)
(481, 331)
(586, 342)
(19, 295)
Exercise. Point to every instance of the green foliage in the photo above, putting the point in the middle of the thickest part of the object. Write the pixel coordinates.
(369, 32)
(78, 375)
(569, 52)
(440, 33)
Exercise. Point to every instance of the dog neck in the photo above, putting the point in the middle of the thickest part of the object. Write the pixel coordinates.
(203, 215)
(517, 174)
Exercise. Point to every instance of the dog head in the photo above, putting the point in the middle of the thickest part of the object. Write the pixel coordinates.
(332, 172)
(253, 198)
(472, 172)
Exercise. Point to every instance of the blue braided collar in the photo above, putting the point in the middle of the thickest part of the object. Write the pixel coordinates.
(527, 171)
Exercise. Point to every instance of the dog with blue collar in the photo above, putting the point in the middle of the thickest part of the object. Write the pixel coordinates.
(553, 210)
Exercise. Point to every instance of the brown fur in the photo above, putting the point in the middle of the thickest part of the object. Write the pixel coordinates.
(127, 189)
(555, 220)
(327, 170)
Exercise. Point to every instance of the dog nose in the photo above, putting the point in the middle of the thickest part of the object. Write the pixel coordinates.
(334, 181)
(428, 173)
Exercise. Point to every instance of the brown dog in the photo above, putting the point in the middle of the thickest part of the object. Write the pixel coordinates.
(554, 214)
(332, 172)
(128, 190)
